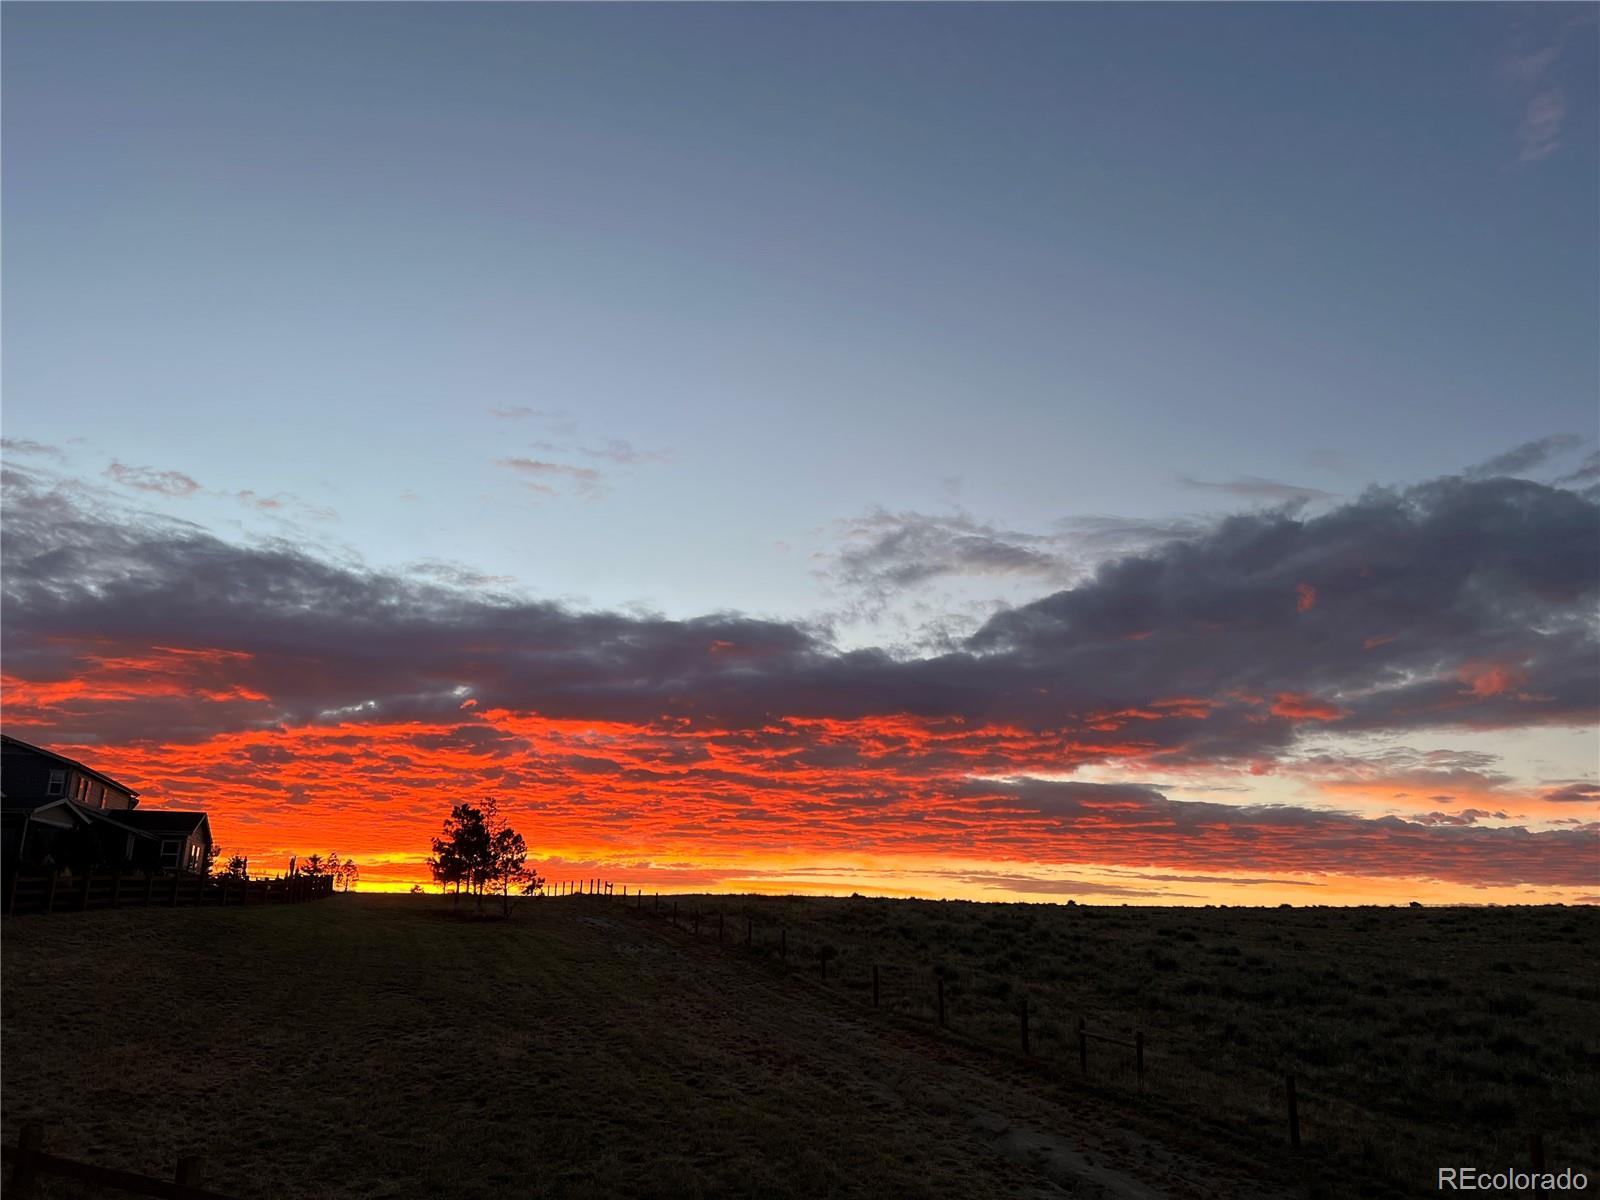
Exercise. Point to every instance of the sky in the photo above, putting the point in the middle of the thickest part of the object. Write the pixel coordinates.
(1134, 453)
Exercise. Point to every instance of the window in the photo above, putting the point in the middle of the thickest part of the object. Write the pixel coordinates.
(57, 785)
(169, 855)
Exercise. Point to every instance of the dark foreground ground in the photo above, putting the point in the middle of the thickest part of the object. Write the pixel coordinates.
(386, 1047)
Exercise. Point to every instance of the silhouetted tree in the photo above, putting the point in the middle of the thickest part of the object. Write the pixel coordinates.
(346, 875)
(463, 853)
(207, 867)
(314, 866)
(238, 868)
(416, 890)
(478, 850)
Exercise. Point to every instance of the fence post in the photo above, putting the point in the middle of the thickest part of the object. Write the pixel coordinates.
(939, 980)
(1294, 1112)
(188, 1172)
(1022, 1015)
(1083, 1047)
(116, 889)
(1138, 1057)
(176, 879)
(1536, 1154)
(50, 893)
(150, 889)
(29, 1142)
(874, 985)
(88, 886)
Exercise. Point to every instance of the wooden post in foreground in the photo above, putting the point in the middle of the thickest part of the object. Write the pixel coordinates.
(1294, 1112)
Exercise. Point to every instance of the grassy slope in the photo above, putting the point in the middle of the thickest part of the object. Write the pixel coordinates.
(380, 1047)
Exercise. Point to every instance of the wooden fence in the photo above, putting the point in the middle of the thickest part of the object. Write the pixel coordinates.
(29, 1161)
(57, 893)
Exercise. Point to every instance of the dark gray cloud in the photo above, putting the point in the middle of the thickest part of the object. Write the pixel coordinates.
(1253, 487)
(1451, 603)
(885, 554)
(1588, 471)
(1521, 459)
(1575, 793)
(1455, 603)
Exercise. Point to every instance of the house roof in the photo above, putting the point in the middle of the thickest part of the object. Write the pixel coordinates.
(91, 816)
(9, 743)
(164, 821)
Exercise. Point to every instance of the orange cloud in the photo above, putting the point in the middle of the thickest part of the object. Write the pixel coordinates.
(1291, 704)
(1489, 679)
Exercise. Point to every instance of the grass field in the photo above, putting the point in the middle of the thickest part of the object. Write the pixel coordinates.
(388, 1047)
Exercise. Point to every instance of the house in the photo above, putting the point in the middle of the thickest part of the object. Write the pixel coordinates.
(59, 813)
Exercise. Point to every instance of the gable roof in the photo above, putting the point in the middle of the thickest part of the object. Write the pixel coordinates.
(88, 816)
(164, 822)
(10, 743)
